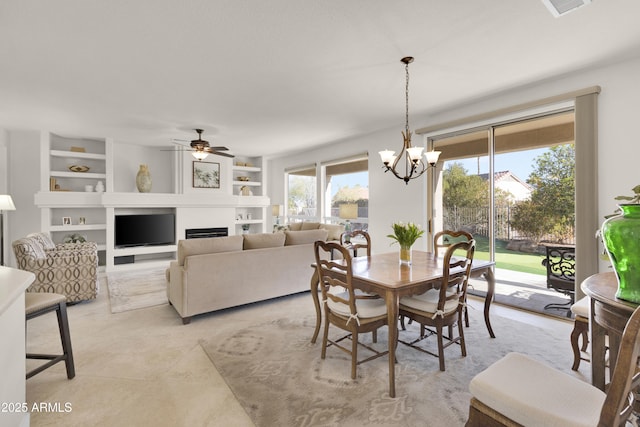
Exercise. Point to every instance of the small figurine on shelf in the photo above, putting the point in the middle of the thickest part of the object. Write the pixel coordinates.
(100, 187)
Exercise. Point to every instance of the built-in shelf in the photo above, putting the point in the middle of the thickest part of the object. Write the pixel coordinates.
(248, 221)
(85, 175)
(78, 227)
(77, 155)
(144, 250)
(246, 169)
(248, 183)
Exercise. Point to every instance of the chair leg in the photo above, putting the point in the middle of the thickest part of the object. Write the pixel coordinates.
(580, 329)
(354, 355)
(325, 337)
(440, 346)
(463, 346)
(374, 336)
(65, 338)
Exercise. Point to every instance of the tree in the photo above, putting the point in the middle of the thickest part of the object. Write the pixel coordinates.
(462, 190)
(551, 209)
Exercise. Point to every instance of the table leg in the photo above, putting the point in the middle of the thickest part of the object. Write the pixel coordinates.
(491, 290)
(316, 303)
(393, 302)
(597, 350)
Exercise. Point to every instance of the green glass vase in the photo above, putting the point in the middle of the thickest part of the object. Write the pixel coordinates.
(621, 237)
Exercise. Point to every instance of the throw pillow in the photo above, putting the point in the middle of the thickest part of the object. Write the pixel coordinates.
(277, 228)
(305, 236)
(295, 226)
(263, 240)
(34, 248)
(335, 230)
(44, 239)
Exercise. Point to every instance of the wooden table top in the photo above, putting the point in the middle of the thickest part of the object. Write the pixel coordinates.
(603, 287)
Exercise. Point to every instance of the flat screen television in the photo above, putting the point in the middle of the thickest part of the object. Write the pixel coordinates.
(145, 230)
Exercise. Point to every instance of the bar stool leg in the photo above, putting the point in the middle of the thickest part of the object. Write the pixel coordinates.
(65, 338)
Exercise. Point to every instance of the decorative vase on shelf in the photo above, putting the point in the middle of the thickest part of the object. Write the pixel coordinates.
(143, 179)
(621, 238)
(405, 255)
(100, 187)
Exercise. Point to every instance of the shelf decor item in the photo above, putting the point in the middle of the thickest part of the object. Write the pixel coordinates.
(143, 179)
(621, 238)
(206, 175)
(405, 235)
(79, 168)
(100, 187)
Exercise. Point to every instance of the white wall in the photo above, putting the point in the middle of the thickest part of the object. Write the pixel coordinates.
(24, 182)
(126, 163)
(391, 200)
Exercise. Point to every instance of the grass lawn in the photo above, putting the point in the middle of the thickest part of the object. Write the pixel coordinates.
(510, 260)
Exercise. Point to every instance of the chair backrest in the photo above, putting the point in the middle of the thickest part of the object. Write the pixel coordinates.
(356, 242)
(455, 273)
(560, 262)
(445, 238)
(618, 404)
(329, 282)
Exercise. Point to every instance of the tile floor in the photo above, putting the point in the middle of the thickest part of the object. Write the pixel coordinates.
(144, 368)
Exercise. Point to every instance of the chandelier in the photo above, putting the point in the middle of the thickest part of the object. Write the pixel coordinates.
(410, 157)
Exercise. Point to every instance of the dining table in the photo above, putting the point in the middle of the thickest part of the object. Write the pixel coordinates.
(385, 276)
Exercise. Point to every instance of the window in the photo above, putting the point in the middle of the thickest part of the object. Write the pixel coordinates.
(347, 183)
(301, 194)
(344, 181)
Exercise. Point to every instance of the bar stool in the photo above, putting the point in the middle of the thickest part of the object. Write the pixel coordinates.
(37, 304)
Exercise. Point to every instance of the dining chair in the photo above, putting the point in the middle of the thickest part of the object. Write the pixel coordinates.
(357, 242)
(444, 304)
(580, 312)
(519, 390)
(351, 311)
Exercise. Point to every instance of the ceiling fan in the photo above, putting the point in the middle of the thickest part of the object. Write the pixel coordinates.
(200, 148)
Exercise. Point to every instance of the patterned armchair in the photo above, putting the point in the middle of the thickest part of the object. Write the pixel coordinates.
(70, 269)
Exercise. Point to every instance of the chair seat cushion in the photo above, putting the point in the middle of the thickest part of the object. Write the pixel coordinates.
(366, 308)
(428, 302)
(532, 393)
(34, 301)
(581, 307)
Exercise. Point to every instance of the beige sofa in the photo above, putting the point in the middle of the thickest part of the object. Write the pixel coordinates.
(222, 272)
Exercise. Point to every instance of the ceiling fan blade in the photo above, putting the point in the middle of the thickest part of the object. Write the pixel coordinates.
(218, 153)
(212, 149)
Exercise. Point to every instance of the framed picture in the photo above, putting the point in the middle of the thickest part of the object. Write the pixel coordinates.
(206, 175)
(66, 220)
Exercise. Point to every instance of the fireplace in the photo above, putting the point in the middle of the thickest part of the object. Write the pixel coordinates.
(203, 233)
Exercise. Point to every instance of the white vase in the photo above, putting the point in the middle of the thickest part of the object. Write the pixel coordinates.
(143, 179)
(100, 187)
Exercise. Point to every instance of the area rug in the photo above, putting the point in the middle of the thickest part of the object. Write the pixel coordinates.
(264, 354)
(133, 290)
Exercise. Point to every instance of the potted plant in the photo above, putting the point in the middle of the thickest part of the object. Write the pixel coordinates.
(621, 237)
(405, 235)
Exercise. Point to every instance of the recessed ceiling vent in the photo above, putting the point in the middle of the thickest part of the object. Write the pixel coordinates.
(562, 7)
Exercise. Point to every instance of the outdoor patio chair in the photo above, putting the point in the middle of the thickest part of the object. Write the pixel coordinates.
(560, 262)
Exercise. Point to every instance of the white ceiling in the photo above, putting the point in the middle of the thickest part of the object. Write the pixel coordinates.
(270, 76)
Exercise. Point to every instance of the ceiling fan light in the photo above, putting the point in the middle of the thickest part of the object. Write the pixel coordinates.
(200, 155)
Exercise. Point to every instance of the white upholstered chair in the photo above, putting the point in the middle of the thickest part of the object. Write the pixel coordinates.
(520, 391)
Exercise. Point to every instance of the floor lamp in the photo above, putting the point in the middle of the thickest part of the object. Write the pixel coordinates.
(6, 204)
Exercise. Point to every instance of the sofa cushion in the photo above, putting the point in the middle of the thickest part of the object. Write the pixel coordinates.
(304, 237)
(209, 245)
(295, 226)
(263, 240)
(335, 230)
(310, 226)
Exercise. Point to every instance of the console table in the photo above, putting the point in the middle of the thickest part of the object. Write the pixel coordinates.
(609, 316)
